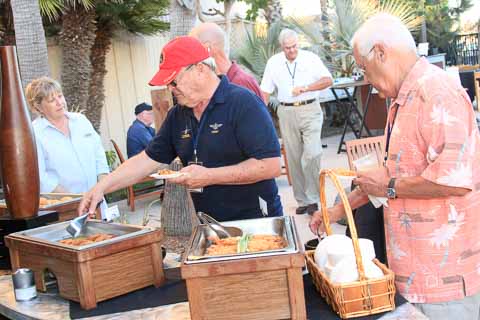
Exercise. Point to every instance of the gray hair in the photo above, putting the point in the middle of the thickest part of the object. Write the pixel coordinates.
(386, 28)
(210, 62)
(286, 34)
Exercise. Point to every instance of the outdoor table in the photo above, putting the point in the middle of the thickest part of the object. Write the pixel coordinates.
(50, 306)
(352, 108)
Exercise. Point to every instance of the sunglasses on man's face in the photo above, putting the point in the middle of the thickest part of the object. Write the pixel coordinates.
(174, 82)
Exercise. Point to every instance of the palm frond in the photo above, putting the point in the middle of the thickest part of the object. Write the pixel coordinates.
(135, 16)
(258, 49)
(404, 12)
(51, 8)
(346, 16)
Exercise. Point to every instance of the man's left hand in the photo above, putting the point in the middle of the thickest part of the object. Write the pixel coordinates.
(373, 182)
(194, 176)
(298, 91)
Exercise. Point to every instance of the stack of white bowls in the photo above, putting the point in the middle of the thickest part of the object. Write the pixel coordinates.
(335, 256)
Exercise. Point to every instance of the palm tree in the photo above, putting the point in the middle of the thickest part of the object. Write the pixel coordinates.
(76, 40)
(30, 40)
(7, 30)
(77, 36)
(137, 17)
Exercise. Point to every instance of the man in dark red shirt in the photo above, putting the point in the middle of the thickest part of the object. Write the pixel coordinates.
(212, 36)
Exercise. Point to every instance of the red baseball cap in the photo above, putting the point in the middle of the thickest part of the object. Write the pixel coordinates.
(178, 53)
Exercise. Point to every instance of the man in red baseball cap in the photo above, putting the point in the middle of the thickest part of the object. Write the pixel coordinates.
(221, 132)
(177, 54)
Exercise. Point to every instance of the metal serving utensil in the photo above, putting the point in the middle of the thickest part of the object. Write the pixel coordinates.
(216, 227)
(77, 224)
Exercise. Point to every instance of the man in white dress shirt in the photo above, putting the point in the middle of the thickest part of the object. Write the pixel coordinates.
(298, 76)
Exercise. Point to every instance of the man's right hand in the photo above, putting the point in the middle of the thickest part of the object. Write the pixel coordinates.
(317, 226)
(90, 200)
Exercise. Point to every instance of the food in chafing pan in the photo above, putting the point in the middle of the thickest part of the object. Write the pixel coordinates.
(81, 241)
(247, 243)
(46, 202)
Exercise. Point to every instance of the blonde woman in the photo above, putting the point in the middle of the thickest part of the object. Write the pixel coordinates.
(71, 158)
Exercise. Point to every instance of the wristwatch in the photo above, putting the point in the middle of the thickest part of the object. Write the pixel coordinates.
(391, 193)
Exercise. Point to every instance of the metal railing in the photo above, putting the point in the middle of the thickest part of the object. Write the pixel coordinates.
(464, 50)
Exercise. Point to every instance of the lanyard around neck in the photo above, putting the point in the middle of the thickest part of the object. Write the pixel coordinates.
(195, 136)
(292, 74)
(389, 131)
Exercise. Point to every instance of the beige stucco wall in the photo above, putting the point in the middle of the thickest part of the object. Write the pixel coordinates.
(131, 63)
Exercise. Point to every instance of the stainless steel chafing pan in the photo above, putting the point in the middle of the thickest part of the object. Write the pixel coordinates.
(281, 226)
(75, 197)
(51, 234)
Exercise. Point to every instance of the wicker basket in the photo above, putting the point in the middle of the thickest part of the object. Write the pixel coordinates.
(353, 299)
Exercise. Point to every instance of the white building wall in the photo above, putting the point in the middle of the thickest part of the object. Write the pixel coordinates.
(131, 63)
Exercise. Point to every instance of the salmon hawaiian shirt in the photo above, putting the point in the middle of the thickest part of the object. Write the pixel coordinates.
(433, 245)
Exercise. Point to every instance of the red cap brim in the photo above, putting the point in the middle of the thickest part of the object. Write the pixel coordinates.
(163, 77)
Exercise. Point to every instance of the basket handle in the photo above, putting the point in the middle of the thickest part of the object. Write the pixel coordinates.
(348, 211)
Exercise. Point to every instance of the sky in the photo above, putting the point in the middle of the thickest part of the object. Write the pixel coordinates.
(473, 14)
(309, 7)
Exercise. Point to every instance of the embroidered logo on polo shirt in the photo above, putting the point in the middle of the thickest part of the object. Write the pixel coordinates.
(185, 133)
(215, 127)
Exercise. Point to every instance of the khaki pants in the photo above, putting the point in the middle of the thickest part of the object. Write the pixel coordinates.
(301, 129)
(467, 308)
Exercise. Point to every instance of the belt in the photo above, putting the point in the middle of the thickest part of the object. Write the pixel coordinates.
(297, 103)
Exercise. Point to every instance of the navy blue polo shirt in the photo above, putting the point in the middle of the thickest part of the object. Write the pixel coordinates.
(236, 127)
(138, 137)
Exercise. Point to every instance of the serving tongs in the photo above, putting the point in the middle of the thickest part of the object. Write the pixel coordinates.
(76, 226)
(218, 229)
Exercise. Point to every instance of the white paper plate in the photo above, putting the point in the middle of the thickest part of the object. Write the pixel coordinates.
(348, 178)
(167, 176)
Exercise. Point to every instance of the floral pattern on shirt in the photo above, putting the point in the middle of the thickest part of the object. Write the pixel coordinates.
(433, 245)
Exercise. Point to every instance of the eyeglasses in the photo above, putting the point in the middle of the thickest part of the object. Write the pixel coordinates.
(361, 69)
(174, 82)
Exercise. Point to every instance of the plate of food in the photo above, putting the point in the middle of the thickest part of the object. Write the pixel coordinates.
(166, 174)
(344, 173)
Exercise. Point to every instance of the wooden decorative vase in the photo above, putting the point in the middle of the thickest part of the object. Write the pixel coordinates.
(18, 152)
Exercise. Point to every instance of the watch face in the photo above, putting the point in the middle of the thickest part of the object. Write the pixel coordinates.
(391, 193)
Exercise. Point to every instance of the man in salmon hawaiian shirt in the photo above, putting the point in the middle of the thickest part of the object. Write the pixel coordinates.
(431, 174)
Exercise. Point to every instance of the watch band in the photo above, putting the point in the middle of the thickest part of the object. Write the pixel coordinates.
(391, 183)
(391, 192)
